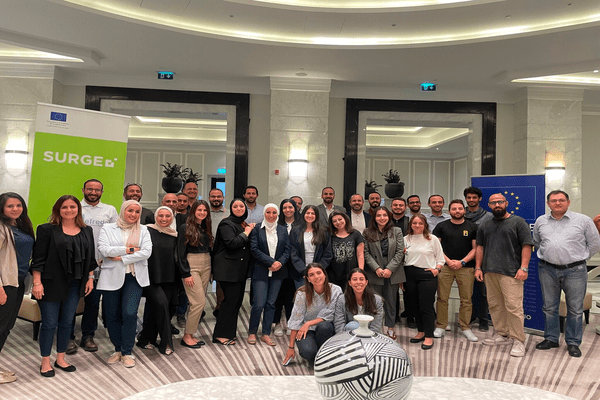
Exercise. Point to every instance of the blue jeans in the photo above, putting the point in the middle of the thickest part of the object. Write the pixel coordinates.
(121, 307)
(265, 296)
(58, 314)
(298, 283)
(89, 320)
(310, 345)
(573, 281)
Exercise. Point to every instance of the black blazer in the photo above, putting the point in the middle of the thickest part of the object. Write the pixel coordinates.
(260, 250)
(231, 253)
(323, 254)
(50, 258)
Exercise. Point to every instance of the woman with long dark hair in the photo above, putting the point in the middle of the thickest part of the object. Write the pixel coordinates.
(126, 247)
(270, 246)
(423, 261)
(230, 268)
(161, 294)
(16, 245)
(195, 242)
(359, 299)
(311, 243)
(312, 316)
(384, 253)
(347, 247)
(63, 272)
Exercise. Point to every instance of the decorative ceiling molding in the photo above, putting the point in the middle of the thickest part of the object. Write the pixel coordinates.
(300, 84)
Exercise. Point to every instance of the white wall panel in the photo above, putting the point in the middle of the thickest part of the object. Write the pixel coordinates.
(381, 166)
(441, 179)
(461, 178)
(195, 161)
(421, 179)
(173, 158)
(131, 167)
(404, 169)
(150, 176)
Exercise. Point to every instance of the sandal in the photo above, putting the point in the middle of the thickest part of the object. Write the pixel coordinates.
(225, 342)
(267, 339)
(391, 334)
(251, 339)
(169, 351)
(147, 346)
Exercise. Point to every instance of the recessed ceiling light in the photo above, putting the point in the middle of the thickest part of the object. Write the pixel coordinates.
(508, 17)
(595, 71)
(301, 74)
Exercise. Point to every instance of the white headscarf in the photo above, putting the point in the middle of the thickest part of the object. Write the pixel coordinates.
(270, 227)
(166, 230)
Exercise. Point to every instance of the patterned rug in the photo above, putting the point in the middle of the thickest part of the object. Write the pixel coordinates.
(451, 356)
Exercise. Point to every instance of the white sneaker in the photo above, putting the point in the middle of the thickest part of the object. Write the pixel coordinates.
(448, 328)
(470, 335)
(438, 333)
(518, 349)
(497, 340)
(278, 330)
(114, 358)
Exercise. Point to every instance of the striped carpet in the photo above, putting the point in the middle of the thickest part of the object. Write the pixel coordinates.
(452, 356)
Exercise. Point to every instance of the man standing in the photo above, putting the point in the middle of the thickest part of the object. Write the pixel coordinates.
(170, 200)
(478, 215)
(503, 253)
(458, 242)
(414, 205)
(191, 191)
(398, 214)
(95, 214)
(217, 211)
(133, 191)
(255, 210)
(327, 207)
(358, 218)
(298, 201)
(374, 202)
(565, 241)
(435, 203)
(182, 203)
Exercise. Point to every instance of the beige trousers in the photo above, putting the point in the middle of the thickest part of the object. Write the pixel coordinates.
(464, 278)
(505, 299)
(200, 270)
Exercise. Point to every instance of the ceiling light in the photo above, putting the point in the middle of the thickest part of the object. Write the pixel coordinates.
(595, 71)
(180, 121)
(301, 74)
(396, 129)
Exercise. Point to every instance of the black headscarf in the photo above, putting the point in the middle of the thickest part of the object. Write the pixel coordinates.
(232, 217)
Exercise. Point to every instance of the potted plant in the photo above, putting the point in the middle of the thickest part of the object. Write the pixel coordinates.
(393, 188)
(370, 187)
(172, 181)
(190, 176)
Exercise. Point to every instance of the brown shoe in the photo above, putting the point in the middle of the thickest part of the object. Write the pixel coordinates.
(72, 347)
(6, 378)
(87, 343)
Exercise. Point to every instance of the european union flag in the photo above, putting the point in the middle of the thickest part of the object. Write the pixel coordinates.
(56, 116)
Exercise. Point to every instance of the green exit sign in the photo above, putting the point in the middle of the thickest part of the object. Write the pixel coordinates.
(166, 75)
(428, 87)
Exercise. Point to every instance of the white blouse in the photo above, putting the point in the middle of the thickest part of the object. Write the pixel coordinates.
(423, 253)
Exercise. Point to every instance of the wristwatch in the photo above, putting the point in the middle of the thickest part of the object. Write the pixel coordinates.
(526, 270)
(132, 249)
(462, 263)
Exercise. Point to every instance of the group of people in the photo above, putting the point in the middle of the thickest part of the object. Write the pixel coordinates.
(321, 264)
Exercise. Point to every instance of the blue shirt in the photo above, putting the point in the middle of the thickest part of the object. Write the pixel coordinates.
(433, 220)
(23, 247)
(572, 238)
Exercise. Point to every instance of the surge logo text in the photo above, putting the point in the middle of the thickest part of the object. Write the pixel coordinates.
(71, 158)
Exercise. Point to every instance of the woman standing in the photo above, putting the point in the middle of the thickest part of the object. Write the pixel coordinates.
(195, 242)
(270, 247)
(358, 299)
(161, 294)
(230, 269)
(348, 248)
(16, 245)
(312, 317)
(288, 218)
(384, 252)
(311, 243)
(62, 268)
(424, 260)
(126, 247)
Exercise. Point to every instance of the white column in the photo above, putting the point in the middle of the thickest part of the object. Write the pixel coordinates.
(548, 120)
(299, 124)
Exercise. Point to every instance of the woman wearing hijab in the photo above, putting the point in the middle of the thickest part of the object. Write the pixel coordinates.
(195, 241)
(125, 247)
(231, 258)
(270, 247)
(161, 294)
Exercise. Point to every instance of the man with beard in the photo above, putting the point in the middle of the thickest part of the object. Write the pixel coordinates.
(374, 202)
(436, 204)
(133, 191)
(414, 204)
(457, 236)
(478, 215)
(398, 214)
(327, 207)
(502, 256)
(191, 191)
(298, 201)
(217, 211)
(358, 218)
(565, 240)
(182, 203)
(95, 214)
(255, 210)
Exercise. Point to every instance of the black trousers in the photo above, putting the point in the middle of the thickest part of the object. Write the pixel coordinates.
(226, 325)
(421, 287)
(479, 300)
(285, 298)
(161, 300)
(10, 309)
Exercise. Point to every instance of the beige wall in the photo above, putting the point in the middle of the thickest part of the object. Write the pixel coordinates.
(590, 188)
(258, 158)
(336, 148)
(505, 137)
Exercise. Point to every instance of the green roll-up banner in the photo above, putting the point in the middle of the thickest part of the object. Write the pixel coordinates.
(71, 146)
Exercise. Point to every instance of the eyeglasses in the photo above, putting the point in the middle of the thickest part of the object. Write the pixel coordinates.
(93, 190)
(557, 201)
(499, 202)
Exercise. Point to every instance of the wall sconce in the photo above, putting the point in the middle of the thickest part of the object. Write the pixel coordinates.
(555, 160)
(16, 154)
(298, 161)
